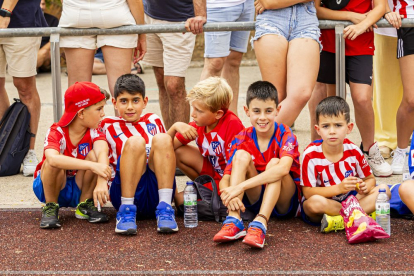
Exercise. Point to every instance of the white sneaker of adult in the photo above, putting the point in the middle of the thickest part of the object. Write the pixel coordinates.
(398, 160)
(377, 163)
(29, 163)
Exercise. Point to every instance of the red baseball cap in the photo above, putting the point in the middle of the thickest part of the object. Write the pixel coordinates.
(78, 96)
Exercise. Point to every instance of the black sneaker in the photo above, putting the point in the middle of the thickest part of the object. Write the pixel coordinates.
(87, 210)
(50, 216)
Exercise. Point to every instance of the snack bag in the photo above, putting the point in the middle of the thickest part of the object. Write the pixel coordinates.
(358, 226)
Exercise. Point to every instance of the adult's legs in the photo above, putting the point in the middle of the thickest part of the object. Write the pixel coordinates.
(318, 94)
(4, 99)
(178, 107)
(231, 72)
(26, 87)
(79, 63)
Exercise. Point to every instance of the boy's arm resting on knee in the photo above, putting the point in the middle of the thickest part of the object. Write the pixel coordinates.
(224, 182)
(189, 133)
(100, 192)
(327, 192)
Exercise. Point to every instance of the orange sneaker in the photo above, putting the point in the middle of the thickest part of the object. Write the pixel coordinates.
(232, 229)
(256, 233)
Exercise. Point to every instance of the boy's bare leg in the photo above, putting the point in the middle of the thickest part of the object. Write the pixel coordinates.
(54, 180)
(367, 202)
(317, 205)
(133, 162)
(189, 161)
(162, 160)
(86, 180)
(244, 168)
(406, 192)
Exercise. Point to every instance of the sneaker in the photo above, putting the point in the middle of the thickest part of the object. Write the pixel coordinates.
(87, 210)
(50, 216)
(231, 230)
(398, 161)
(165, 218)
(126, 220)
(30, 163)
(377, 163)
(385, 151)
(256, 233)
(332, 223)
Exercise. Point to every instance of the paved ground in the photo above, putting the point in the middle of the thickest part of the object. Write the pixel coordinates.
(80, 248)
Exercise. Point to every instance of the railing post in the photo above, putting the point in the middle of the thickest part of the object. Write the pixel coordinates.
(340, 61)
(56, 77)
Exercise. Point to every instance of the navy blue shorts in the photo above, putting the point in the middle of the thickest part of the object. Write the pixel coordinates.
(398, 207)
(255, 207)
(146, 196)
(68, 197)
(337, 198)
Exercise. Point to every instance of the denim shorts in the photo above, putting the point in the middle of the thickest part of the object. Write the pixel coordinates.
(297, 21)
(219, 44)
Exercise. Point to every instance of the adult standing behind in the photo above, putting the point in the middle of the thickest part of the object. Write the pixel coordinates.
(223, 51)
(287, 48)
(117, 49)
(43, 56)
(170, 53)
(19, 54)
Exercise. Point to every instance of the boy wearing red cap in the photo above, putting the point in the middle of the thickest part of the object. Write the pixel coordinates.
(75, 159)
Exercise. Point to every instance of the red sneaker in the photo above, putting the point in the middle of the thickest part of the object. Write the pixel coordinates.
(255, 235)
(232, 229)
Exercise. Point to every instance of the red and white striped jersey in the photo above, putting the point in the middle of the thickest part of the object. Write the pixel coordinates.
(404, 7)
(317, 171)
(117, 131)
(58, 138)
(215, 145)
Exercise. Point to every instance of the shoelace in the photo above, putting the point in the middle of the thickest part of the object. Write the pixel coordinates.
(228, 226)
(90, 205)
(166, 215)
(398, 157)
(30, 156)
(50, 210)
(255, 231)
(337, 225)
(377, 158)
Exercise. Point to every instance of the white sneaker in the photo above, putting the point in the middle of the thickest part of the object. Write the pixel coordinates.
(29, 163)
(398, 161)
(377, 163)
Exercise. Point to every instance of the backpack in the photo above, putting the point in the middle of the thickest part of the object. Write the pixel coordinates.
(209, 204)
(14, 138)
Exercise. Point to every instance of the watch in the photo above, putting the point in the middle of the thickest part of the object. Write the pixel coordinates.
(4, 13)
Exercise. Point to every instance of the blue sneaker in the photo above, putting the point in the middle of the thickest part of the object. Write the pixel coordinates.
(126, 220)
(165, 218)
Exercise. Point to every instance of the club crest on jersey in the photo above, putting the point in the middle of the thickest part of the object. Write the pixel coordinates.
(216, 147)
(152, 129)
(348, 173)
(84, 149)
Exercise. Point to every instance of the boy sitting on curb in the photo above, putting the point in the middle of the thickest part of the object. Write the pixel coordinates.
(334, 168)
(263, 171)
(75, 159)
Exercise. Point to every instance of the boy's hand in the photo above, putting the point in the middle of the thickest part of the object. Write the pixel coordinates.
(349, 184)
(189, 132)
(363, 189)
(394, 18)
(229, 193)
(236, 204)
(100, 193)
(353, 31)
(101, 170)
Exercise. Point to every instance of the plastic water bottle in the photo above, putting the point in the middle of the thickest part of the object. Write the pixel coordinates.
(382, 206)
(406, 171)
(190, 205)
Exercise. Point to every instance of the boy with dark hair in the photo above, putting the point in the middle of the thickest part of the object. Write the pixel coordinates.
(213, 128)
(142, 159)
(75, 159)
(263, 171)
(334, 168)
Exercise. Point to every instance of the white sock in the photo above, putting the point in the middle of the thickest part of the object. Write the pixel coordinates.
(165, 195)
(127, 200)
(405, 150)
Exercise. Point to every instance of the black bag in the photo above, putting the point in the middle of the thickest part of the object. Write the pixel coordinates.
(209, 204)
(14, 138)
(335, 4)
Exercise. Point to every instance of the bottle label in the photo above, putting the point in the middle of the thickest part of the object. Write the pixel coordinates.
(190, 200)
(382, 208)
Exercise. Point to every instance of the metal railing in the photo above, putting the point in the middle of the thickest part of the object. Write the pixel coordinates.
(55, 34)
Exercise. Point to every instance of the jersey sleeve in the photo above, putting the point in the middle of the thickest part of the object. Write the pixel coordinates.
(234, 127)
(308, 175)
(232, 152)
(97, 134)
(289, 145)
(362, 167)
(181, 138)
(54, 139)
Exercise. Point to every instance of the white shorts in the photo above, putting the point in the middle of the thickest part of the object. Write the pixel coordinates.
(116, 16)
(20, 56)
(173, 51)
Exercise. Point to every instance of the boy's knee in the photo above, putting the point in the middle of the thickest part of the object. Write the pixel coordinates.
(162, 140)
(406, 188)
(242, 157)
(135, 144)
(272, 162)
(315, 204)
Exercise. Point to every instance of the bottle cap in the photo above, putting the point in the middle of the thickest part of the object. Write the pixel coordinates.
(380, 190)
(190, 183)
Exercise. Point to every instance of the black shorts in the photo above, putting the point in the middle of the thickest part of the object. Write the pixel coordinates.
(358, 69)
(405, 44)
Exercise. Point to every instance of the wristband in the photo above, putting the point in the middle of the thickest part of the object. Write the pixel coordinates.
(7, 10)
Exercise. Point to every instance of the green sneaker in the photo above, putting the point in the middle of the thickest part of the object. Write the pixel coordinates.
(87, 210)
(50, 216)
(332, 223)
